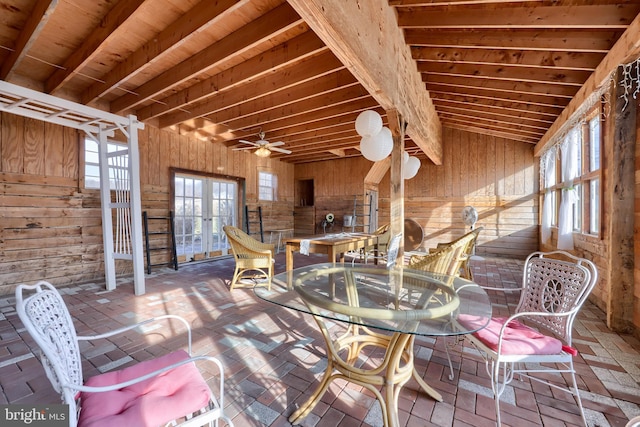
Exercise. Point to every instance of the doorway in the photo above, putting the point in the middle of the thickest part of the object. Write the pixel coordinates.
(203, 206)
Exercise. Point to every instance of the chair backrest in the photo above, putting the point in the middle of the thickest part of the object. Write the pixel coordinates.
(384, 239)
(47, 319)
(464, 247)
(241, 243)
(439, 261)
(556, 283)
(392, 250)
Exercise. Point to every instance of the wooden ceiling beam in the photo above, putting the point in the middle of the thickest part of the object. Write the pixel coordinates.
(607, 16)
(465, 126)
(267, 63)
(331, 128)
(90, 48)
(552, 60)
(475, 114)
(543, 113)
(272, 123)
(274, 22)
(494, 125)
(540, 93)
(307, 94)
(201, 16)
(307, 70)
(38, 18)
(299, 107)
(521, 39)
(326, 142)
(283, 127)
(506, 72)
(318, 129)
(524, 118)
(432, 3)
(626, 49)
(366, 38)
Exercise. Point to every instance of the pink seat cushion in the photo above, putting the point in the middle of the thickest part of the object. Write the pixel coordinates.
(517, 338)
(152, 402)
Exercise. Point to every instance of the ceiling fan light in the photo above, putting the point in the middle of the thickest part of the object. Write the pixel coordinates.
(262, 152)
(368, 123)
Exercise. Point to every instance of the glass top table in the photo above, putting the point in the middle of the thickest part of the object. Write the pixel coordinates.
(380, 307)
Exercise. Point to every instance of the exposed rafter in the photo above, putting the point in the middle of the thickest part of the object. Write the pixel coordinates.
(365, 36)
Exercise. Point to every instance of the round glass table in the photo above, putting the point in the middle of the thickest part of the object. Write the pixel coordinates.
(383, 308)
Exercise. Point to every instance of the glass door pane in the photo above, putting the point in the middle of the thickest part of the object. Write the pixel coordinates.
(188, 216)
(223, 205)
(203, 206)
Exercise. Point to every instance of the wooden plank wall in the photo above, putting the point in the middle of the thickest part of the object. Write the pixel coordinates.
(51, 227)
(498, 177)
(336, 183)
(161, 151)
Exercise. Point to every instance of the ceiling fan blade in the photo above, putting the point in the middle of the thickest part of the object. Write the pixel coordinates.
(249, 142)
(280, 150)
(243, 148)
(275, 144)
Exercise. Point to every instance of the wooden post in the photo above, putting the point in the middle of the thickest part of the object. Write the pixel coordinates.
(397, 126)
(620, 198)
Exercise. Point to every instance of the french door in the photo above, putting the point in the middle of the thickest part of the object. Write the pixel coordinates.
(202, 207)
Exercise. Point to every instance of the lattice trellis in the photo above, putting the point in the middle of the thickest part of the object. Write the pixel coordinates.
(122, 167)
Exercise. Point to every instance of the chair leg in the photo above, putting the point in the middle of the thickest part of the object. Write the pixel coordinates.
(576, 393)
(236, 277)
(497, 388)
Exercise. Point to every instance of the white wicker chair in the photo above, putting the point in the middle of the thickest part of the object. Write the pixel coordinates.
(150, 393)
(554, 287)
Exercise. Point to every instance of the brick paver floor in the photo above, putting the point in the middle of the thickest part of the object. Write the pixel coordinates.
(274, 357)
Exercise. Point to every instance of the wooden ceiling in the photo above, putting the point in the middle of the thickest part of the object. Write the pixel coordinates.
(225, 70)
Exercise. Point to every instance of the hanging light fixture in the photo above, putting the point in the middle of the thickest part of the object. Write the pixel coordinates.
(368, 123)
(377, 147)
(377, 141)
(262, 152)
(411, 166)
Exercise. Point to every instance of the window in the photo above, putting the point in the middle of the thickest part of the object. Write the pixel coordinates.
(118, 166)
(267, 186)
(594, 171)
(581, 175)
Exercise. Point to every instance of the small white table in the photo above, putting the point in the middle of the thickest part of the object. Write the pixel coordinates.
(282, 233)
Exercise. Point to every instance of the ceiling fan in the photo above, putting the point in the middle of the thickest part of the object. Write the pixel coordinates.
(264, 147)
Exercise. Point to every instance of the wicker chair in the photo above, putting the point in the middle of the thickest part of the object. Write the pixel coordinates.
(251, 255)
(440, 261)
(167, 390)
(465, 246)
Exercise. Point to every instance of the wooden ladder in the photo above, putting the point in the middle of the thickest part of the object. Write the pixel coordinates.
(253, 217)
(159, 231)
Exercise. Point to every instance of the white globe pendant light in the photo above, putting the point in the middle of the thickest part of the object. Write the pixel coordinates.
(368, 123)
(377, 147)
(411, 167)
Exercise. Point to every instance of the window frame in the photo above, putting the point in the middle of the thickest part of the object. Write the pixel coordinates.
(583, 181)
(112, 146)
(272, 188)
